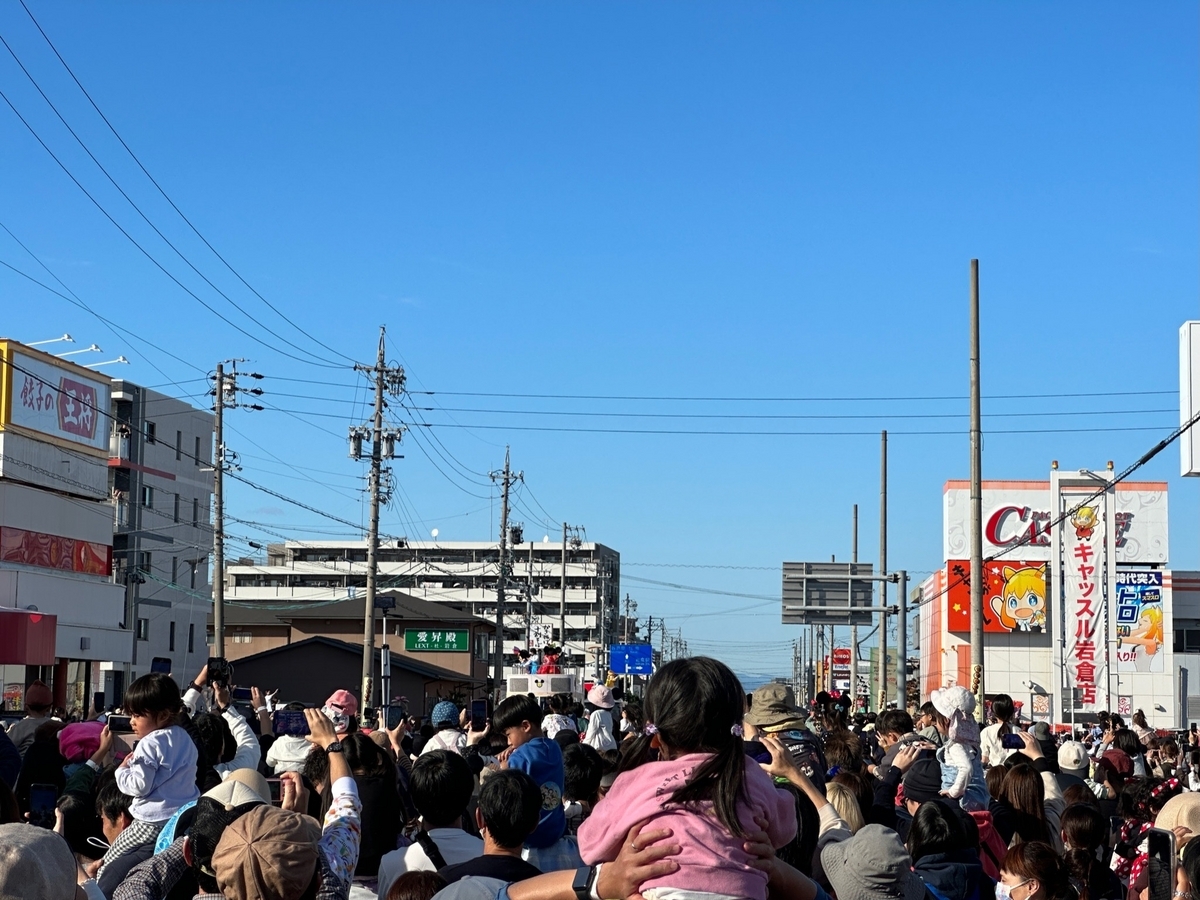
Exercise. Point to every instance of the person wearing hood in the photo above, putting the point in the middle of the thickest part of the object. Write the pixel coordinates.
(941, 853)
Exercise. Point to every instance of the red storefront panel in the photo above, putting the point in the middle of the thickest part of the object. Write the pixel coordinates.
(27, 638)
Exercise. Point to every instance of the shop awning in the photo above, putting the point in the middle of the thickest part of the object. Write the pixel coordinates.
(27, 638)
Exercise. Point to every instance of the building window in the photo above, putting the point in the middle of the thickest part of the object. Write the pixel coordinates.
(177, 500)
(196, 458)
(151, 432)
(483, 646)
(147, 496)
(241, 637)
(191, 637)
(193, 565)
(144, 561)
(174, 569)
(143, 631)
(171, 638)
(178, 445)
(195, 513)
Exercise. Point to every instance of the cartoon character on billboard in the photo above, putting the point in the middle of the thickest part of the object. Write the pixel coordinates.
(1021, 603)
(1085, 520)
(1149, 631)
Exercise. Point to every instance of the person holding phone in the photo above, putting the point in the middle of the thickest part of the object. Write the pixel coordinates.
(992, 751)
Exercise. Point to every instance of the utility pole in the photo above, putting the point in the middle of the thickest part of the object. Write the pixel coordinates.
(506, 478)
(902, 641)
(562, 603)
(218, 585)
(883, 570)
(977, 574)
(225, 396)
(383, 444)
(853, 627)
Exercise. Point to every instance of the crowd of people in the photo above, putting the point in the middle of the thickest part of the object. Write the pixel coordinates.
(694, 791)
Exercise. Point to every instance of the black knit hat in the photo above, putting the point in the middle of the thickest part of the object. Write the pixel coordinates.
(923, 781)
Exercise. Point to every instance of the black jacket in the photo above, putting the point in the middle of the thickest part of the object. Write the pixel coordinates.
(953, 876)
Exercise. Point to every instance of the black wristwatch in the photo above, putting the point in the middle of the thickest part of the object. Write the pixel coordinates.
(585, 878)
(335, 747)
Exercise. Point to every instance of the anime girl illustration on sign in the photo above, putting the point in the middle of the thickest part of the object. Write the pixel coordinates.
(1021, 603)
(1139, 622)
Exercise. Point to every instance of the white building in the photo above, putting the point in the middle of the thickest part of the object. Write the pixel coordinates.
(89, 529)
(463, 573)
(1077, 619)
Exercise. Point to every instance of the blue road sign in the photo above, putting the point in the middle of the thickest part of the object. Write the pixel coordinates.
(631, 659)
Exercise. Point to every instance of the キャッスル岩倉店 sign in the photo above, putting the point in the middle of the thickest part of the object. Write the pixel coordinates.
(418, 640)
(1017, 516)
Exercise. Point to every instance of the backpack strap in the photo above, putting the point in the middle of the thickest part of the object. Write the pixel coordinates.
(431, 849)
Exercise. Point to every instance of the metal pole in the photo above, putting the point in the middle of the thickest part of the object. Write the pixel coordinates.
(529, 603)
(385, 673)
(498, 670)
(218, 520)
(902, 641)
(977, 573)
(854, 628)
(883, 570)
(368, 687)
(562, 603)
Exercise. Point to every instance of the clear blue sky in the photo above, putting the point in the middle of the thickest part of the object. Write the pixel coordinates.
(764, 200)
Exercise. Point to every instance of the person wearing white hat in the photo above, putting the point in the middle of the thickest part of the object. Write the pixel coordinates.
(600, 723)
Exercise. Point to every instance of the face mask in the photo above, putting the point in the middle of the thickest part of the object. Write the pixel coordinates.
(1004, 891)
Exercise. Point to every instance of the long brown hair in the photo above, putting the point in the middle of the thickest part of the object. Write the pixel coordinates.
(1085, 830)
(1025, 794)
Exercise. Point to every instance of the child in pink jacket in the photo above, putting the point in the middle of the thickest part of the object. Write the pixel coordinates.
(699, 783)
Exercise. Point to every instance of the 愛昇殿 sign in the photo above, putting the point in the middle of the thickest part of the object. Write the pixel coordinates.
(417, 640)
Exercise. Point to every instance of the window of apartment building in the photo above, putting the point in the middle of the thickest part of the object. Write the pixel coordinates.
(143, 629)
(151, 432)
(196, 457)
(147, 496)
(178, 445)
(195, 513)
(177, 501)
(171, 638)
(144, 561)
(241, 637)
(174, 569)
(191, 637)
(192, 562)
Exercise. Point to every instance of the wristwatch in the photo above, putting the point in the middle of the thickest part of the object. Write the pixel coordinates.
(335, 747)
(585, 878)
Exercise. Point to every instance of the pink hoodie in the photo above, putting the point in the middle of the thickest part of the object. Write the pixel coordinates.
(712, 859)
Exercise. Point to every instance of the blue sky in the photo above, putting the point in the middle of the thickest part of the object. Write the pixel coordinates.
(710, 200)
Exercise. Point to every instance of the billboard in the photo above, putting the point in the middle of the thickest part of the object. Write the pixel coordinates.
(1139, 622)
(1013, 510)
(1014, 597)
(61, 401)
(827, 593)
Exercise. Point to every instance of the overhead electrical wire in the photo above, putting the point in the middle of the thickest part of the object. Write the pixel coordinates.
(764, 399)
(160, 266)
(157, 186)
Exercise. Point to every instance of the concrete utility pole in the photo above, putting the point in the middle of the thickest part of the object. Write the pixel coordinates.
(883, 570)
(854, 628)
(902, 641)
(977, 573)
(506, 479)
(562, 603)
(225, 396)
(382, 447)
(218, 585)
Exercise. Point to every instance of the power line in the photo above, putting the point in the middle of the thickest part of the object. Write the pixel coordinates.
(784, 416)
(152, 179)
(842, 399)
(758, 433)
(160, 266)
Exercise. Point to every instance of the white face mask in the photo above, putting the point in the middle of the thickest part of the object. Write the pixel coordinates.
(1004, 891)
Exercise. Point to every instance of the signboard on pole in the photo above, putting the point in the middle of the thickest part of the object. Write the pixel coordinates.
(53, 398)
(631, 659)
(827, 593)
(427, 641)
(840, 671)
(1140, 622)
